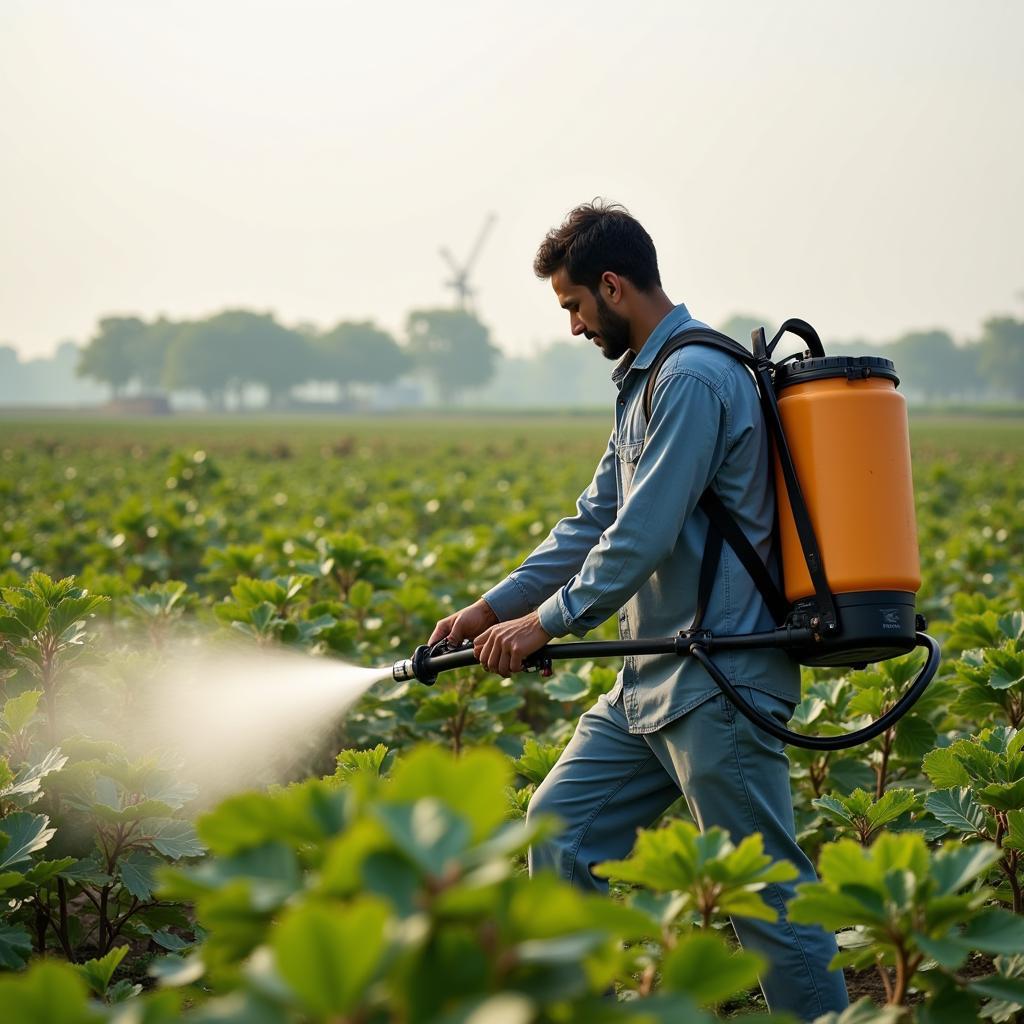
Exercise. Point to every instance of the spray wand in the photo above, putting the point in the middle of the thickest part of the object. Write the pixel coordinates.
(428, 662)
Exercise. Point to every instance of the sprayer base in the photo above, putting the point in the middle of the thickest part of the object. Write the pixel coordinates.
(873, 625)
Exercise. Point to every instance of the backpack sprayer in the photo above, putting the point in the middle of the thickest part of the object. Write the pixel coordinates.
(845, 524)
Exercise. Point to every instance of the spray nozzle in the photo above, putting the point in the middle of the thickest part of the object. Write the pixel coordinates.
(427, 661)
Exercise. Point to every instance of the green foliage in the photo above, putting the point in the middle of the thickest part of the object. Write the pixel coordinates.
(396, 897)
(114, 354)
(360, 353)
(48, 993)
(908, 904)
(865, 816)
(453, 347)
(352, 539)
(708, 875)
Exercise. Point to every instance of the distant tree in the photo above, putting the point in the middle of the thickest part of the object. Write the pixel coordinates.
(930, 363)
(360, 353)
(203, 360)
(1001, 354)
(453, 347)
(110, 355)
(151, 354)
(237, 347)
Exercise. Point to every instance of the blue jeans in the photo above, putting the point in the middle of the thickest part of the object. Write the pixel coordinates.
(609, 782)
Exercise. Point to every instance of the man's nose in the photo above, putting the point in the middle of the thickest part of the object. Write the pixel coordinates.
(577, 325)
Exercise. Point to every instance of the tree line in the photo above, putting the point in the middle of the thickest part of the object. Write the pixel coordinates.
(222, 355)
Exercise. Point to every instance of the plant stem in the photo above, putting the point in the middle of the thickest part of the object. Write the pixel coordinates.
(883, 766)
(883, 973)
(101, 938)
(42, 920)
(63, 933)
(1010, 870)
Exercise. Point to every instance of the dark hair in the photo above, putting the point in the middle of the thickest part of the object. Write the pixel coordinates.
(596, 237)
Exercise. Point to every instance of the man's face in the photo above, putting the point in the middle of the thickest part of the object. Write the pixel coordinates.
(590, 315)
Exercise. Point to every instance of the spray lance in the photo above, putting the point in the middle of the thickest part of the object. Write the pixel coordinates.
(845, 524)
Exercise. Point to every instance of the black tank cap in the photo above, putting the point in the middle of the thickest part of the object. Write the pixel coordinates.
(800, 371)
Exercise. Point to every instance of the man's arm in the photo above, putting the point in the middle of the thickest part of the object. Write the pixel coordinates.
(686, 445)
(555, 560)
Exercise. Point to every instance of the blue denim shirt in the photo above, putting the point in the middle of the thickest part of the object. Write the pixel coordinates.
(635, 544)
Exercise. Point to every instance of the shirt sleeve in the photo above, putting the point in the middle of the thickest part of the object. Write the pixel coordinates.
(560, 555)
(686, 443)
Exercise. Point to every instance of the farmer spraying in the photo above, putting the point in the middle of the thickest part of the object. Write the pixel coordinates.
(634, 548)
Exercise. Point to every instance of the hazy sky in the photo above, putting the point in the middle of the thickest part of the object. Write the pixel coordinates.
(857, 164)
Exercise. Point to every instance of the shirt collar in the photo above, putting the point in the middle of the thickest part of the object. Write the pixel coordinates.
(669, 325)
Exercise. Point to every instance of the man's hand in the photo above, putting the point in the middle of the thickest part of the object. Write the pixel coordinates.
(503, 647)
(466, 624)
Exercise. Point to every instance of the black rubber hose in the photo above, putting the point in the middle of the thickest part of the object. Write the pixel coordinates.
(849, 739)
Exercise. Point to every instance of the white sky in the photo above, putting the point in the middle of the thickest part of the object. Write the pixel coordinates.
(857, 164)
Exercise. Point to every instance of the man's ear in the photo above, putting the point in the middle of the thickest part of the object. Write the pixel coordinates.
(611, 287)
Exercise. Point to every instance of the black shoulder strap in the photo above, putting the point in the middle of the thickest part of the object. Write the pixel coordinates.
(721, 523)
(694, 336)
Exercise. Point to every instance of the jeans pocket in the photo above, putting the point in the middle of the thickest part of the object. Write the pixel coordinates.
(769, 705)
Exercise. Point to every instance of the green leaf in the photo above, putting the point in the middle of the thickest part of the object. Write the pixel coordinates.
(97, 973)
(1010, 990)
(472, 786)
(136, 873)
(566, 687)
(28, 781)
(15, 946)
(1008, 796)
(702, 967)
(426, 832)
(958, 809)
(371, 761)
(19, 711)
(44, 871)
(329, 954)
(954, 866)
(537, 760)
(892, 804)
(47, 993)
(360, 595)
(26, 833)
(945, 770)
(177, 839)
(995, 930)
(1014, 839)
(131, 812)
(915, 736)
(835, 809)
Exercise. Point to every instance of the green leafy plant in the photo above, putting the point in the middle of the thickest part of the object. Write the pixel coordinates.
(909, 905)
(43, 626)
(864, 816)
(980, 796)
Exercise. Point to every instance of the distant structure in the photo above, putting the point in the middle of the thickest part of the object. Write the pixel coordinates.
(459, 282)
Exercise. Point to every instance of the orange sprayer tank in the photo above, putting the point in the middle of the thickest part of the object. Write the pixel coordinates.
(846, 427)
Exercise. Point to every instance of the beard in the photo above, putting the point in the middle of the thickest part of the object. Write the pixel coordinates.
(612, 331)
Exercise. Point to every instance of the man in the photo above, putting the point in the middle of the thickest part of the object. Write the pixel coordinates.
(634, 548)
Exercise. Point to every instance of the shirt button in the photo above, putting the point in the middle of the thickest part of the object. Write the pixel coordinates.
(622, 401)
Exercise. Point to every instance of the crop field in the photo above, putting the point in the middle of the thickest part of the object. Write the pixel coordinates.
(372, 869)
